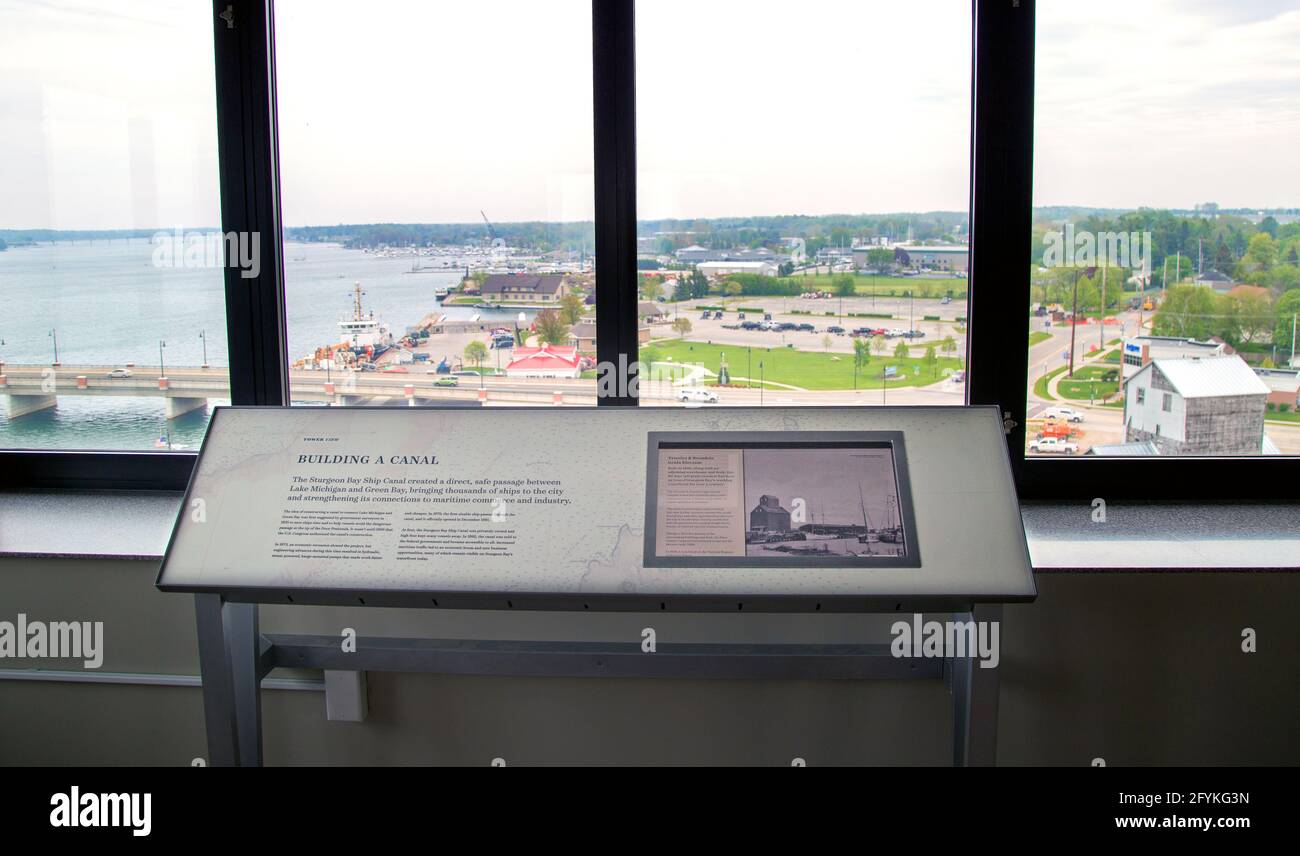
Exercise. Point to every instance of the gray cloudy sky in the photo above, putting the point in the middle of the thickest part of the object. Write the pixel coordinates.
(431, 111)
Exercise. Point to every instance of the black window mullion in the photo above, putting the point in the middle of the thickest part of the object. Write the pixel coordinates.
(614, 103)
(250, 199)
(1001, 211)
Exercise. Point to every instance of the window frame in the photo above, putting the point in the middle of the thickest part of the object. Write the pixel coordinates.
(1000, 211)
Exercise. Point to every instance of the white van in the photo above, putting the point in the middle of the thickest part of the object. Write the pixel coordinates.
(698, 396)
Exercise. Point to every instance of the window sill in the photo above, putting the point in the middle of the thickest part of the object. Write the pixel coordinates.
(1186, 537)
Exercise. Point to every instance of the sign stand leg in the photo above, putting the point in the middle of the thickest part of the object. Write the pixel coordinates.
(228, 661)
(975, 699)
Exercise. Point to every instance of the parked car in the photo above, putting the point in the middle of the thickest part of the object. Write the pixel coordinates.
(838, 331)
(1053, 446)
(717, 316)
(1069, 414)
(700, 396)
(946, 300)
(767, 316)
(807, 328)
(118, 373)
(750, 325)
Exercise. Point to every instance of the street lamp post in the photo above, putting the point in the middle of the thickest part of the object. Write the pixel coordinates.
(162, 367)
(203, 337)
(760, 383)
(54, 334)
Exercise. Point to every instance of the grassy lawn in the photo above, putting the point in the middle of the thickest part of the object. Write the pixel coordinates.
(1040, 385)
(1038, 337)
(805, 369)
(1111, 356)
(1290, 416)
(1086, 383)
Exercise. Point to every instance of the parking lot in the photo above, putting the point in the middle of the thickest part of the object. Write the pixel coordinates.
(905, 314)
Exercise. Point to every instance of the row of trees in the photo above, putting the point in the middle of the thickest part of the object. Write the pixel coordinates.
(1244, 317)
(1264, 253)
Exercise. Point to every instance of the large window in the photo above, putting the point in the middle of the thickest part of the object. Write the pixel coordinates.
(825, 205)
(1165, 278)
(803, 193)
(113, 334)
(437, 193)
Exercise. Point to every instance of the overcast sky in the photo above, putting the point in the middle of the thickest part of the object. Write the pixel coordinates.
(432, 111)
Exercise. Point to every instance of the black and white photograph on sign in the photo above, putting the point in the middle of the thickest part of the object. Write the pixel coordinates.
(822, 502)
(761, 499)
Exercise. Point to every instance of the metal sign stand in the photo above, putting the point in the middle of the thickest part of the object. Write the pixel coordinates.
(234, 657)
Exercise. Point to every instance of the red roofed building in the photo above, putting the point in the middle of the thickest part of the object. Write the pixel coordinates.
(546, 361)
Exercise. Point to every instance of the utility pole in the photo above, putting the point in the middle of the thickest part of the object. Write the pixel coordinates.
(1074, 321)
(1101, 331)
(1292, 363)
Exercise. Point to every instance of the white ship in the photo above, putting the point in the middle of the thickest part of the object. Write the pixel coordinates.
(363, 330)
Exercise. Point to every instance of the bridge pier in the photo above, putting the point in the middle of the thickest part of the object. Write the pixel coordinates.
(23, 405)
(180, 406)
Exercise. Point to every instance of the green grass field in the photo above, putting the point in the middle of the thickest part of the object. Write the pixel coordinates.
(1087, 384)
(1040, 385)
(804, 369)
(1037, 337)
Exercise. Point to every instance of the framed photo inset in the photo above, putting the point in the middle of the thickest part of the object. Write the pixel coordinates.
(773, 499)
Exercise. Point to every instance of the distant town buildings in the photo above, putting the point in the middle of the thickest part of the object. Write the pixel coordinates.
(1283, 386)
(524, 287)
(953, 257)
(1214, 279)
(1197, 406)
(1140, 351)
(715, 270)
(696, 254)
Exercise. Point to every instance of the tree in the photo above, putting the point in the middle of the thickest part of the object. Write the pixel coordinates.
(949, 345)
(1287, 308)
(650, 288)
(682, 326)
(1252, 315)
(571, 307)
(476, 352)
(901, 353)
(931, 359)
(1188, 311)
(845, 286)
(878, 344)
(861, 353)
(827, 341)
(731, 288)
(551, 329)
(880, 259)
(1261, 252)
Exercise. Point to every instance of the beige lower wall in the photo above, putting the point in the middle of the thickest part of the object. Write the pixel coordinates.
(1133, 668)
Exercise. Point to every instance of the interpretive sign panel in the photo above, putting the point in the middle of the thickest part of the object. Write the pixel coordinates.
(787, 508)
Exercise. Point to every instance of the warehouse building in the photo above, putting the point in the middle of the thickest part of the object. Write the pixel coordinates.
(1212, 406)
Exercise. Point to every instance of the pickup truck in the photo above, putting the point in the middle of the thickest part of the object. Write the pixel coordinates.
(1053, 446)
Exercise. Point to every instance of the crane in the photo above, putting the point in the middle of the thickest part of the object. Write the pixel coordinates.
(492, 233)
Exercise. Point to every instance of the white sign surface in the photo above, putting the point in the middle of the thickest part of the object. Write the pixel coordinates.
(554, 501)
